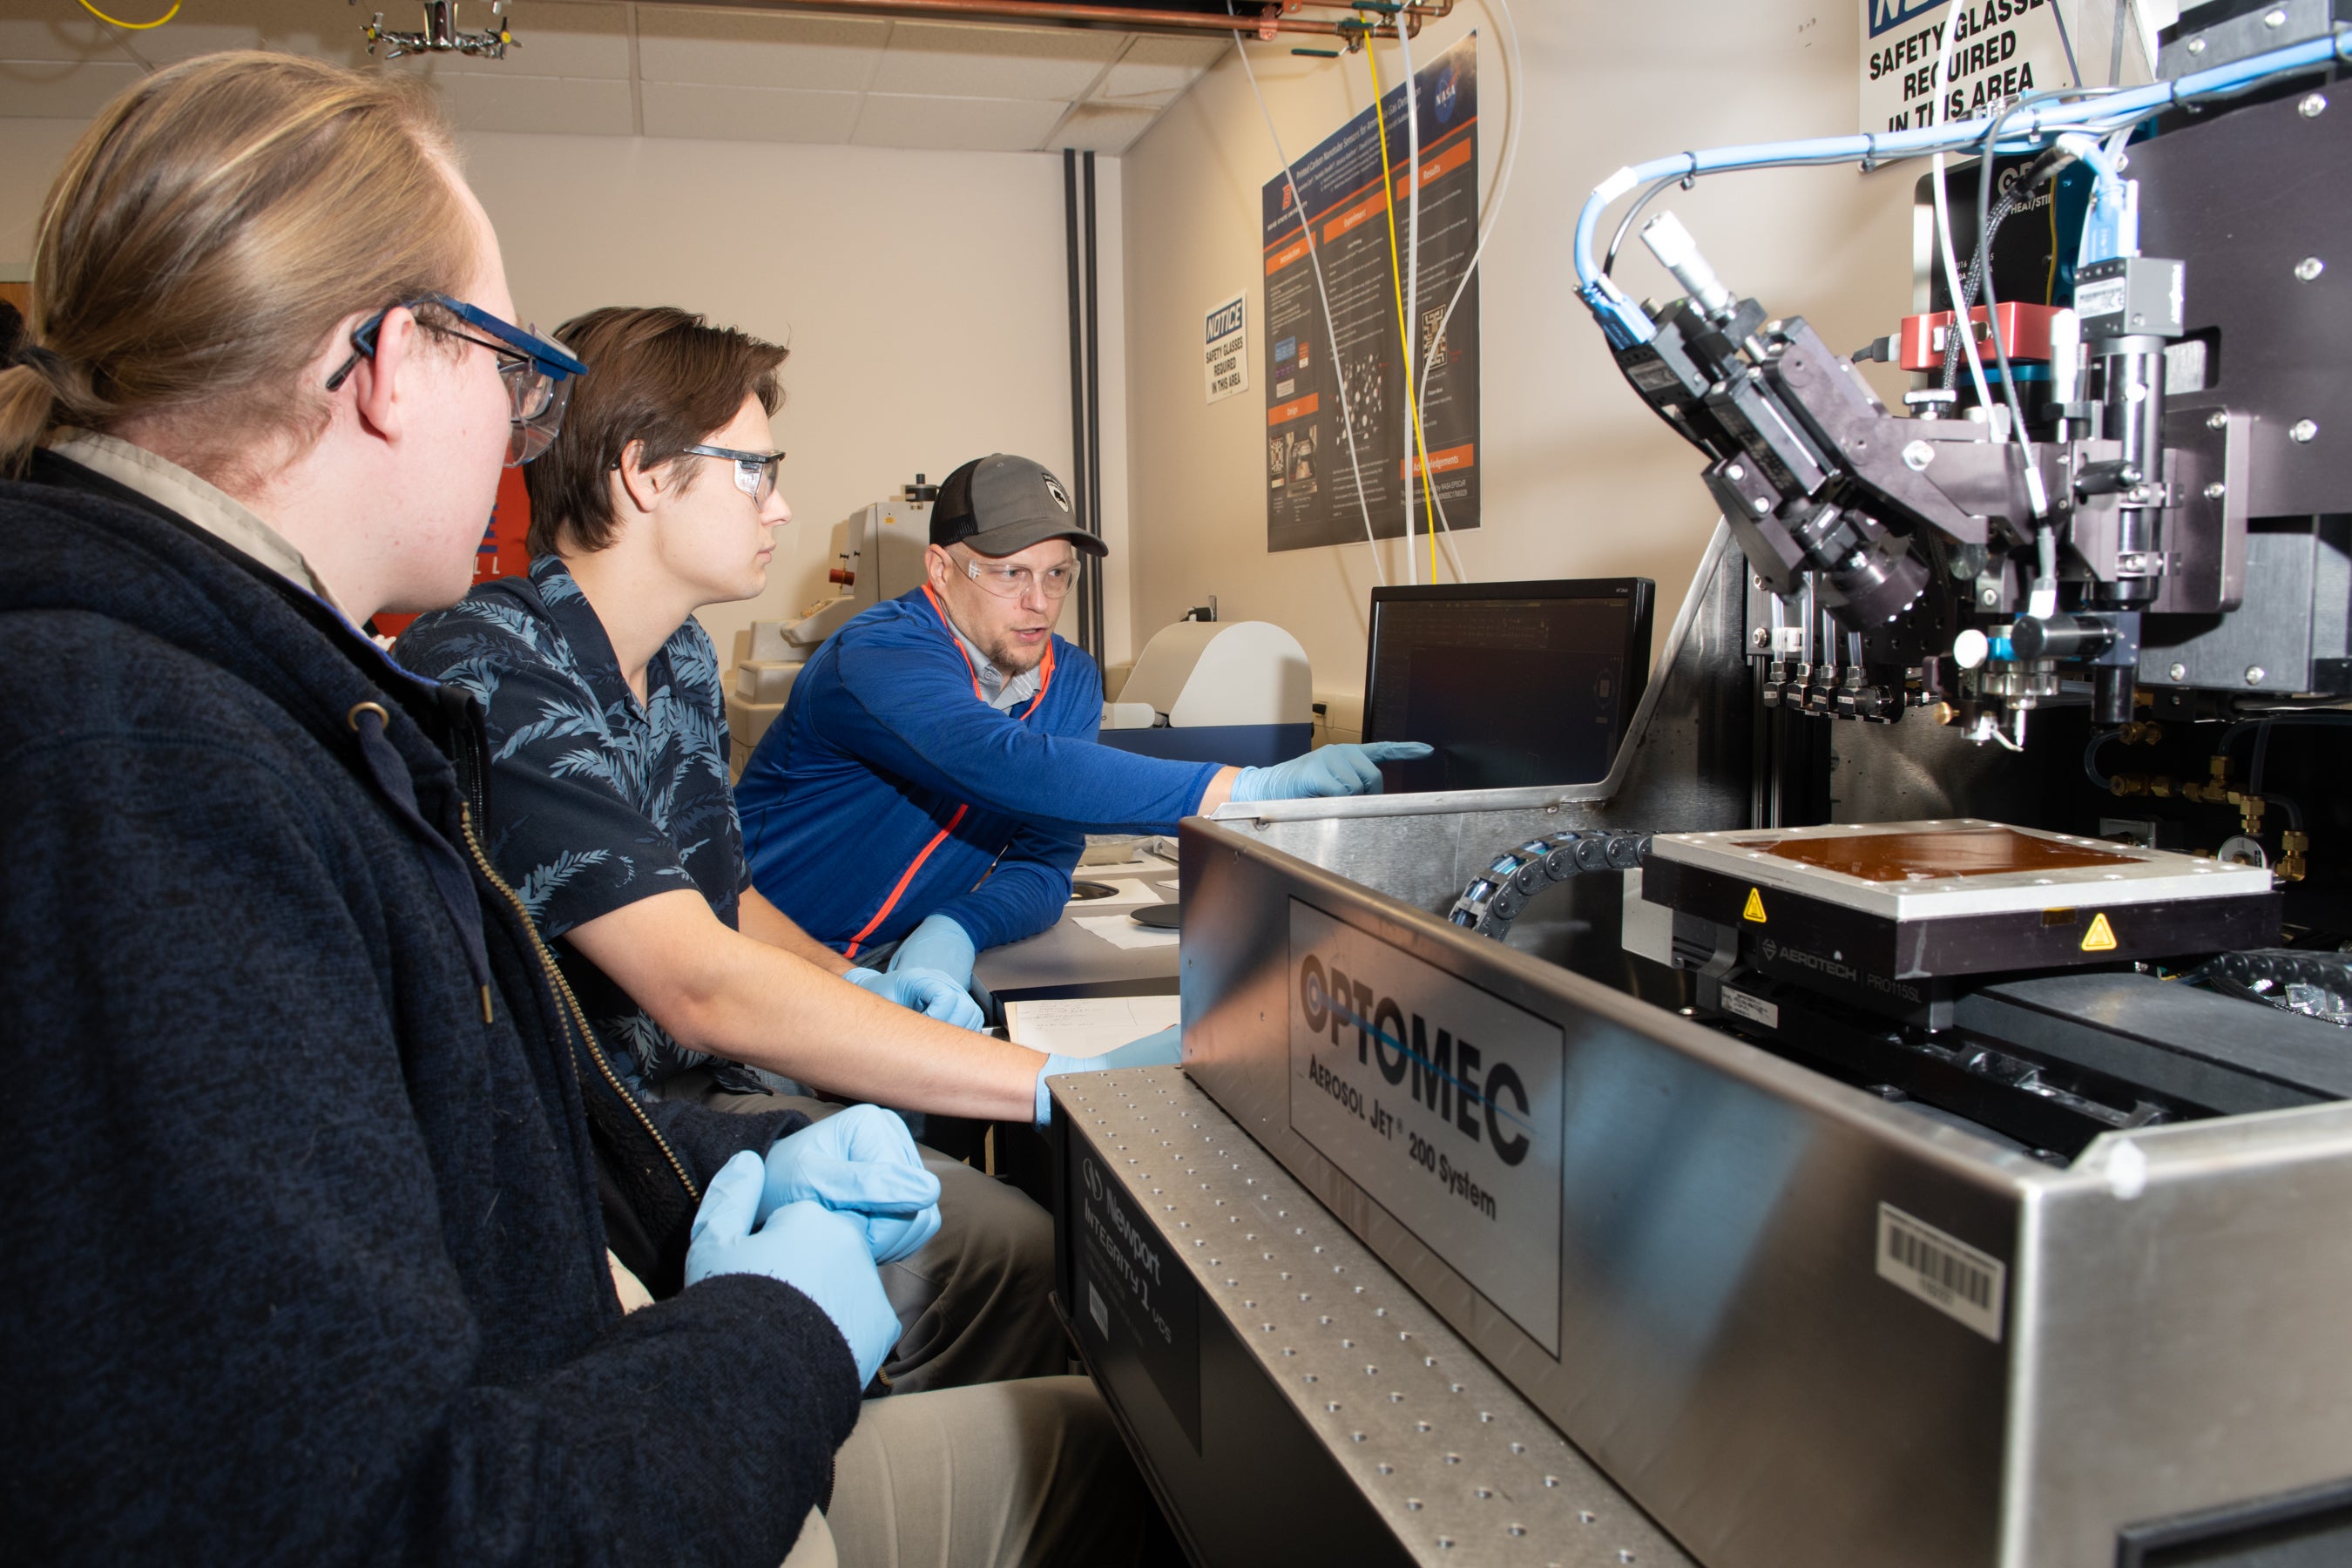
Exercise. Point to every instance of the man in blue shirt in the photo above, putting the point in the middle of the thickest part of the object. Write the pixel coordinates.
(935, 774)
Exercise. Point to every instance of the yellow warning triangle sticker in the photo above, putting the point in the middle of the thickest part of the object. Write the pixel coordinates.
(2101, 937)
(1755, 909)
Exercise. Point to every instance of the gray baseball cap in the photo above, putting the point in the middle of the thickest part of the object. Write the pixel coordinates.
(1001, 505)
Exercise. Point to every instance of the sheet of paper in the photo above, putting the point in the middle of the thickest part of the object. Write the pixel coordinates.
(1120, 932)
(1088, 1026)
(1128, 890)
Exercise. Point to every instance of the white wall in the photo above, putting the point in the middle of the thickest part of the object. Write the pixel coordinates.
(923, 295)
(1579, 479)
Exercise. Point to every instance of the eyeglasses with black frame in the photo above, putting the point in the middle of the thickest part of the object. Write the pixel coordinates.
(755, 472)
(1015, 581)
(537, 369)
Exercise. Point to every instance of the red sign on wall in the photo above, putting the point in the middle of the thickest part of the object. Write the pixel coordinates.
(501, 552)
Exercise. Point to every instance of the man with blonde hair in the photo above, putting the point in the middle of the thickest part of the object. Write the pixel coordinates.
(311, 1152)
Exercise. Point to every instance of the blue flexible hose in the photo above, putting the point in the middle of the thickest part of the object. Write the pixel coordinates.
(1625, 323)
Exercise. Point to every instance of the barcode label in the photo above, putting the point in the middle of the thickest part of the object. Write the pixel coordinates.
(1755, 1009)
(1942, 1270)
(1097, 1310)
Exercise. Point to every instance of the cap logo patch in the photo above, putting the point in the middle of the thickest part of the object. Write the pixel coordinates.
(1054, 489)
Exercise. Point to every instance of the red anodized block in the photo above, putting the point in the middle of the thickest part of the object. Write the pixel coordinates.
(2025, 328)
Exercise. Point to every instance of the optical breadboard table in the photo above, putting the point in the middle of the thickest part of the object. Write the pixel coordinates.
(1289, 1399)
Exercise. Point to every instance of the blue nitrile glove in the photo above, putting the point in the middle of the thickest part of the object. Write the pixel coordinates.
(817, 1252)
(932, 994)
(860, 1162)
(1340, 768)
(940, 944)
(1163, 1049)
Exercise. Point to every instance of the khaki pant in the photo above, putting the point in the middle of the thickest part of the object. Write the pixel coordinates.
(971, 1301)
(1007, 1475)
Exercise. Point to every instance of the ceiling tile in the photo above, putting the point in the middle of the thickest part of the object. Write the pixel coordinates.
(30, 32)
(750, 48)
(748, 113)
(993, 62)
(537, 103)
(290, 26)
(49, 89)
(1154, 69)
(970, 124)
(1101, 128)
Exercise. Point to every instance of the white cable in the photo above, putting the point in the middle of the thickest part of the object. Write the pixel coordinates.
(1500, 11)
(1331, 334)
(1411, 299)
(1942, 83)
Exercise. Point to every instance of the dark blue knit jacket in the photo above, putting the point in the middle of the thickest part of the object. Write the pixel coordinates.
(303, 1256)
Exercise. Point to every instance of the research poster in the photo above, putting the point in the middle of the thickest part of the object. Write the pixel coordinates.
(1312, 494)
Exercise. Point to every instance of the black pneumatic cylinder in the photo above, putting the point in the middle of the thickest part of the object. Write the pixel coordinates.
(2113, 689)
(2061, 636)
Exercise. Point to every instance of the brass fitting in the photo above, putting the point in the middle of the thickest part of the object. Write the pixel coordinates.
(2161, 786)
(2216, 790)
(2291, 846)
(2145, 733)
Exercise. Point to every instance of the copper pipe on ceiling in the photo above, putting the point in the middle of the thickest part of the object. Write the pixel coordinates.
(1270, 21)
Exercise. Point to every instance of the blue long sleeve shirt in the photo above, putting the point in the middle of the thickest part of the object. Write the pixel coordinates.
(888, 789)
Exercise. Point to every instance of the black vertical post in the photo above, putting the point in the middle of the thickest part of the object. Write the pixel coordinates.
(1086, 634)
(1094, 578)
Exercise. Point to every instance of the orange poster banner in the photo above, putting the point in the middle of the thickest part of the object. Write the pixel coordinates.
(1462, 456)
(1297, 408)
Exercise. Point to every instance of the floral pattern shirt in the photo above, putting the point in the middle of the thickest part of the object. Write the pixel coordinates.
(596, 800)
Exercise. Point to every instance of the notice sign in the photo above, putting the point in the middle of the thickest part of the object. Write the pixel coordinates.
(1442, 1101)
(1228, 347)
(1315, 398)
(2002, 48)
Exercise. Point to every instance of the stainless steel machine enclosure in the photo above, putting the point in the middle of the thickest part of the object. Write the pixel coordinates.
(1796, 1324)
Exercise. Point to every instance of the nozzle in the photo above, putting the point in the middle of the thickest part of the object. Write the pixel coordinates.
(1677, 252)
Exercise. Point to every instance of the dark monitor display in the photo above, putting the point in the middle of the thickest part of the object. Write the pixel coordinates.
(1513, 683)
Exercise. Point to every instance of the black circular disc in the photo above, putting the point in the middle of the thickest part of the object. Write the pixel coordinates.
(1160, 917)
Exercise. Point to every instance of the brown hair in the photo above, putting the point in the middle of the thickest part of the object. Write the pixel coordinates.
(663, 376)
(209, 231)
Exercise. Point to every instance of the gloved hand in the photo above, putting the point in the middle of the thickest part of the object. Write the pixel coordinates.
(932, 994)
(859, 1162)
(940, 944)
(1163, 1049)
(1340, 768)
(819, 1253)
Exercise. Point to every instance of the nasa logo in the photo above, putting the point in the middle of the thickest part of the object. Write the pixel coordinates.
(1054, 489)
(1449, 94)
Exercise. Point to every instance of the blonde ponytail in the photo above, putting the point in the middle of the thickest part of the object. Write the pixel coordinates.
(209, 230)
(26, 405)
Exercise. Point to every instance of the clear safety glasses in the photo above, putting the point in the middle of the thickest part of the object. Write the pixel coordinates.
(536, 371)
(755, 472)
(1015, 581)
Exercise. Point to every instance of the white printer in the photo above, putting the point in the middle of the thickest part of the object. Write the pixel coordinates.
(877, 555)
